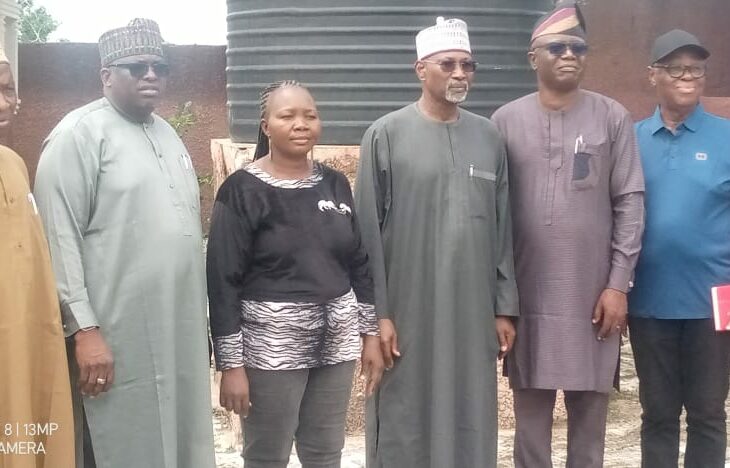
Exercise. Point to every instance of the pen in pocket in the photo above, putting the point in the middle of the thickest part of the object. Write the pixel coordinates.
(31, 199)
(578, 144)
(187, 162)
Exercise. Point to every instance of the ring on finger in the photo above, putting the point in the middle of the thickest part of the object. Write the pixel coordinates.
(100, 381)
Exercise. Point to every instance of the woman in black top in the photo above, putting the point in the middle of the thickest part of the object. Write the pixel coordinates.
(290, 291)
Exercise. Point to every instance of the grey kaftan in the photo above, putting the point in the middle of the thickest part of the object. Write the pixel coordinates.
(120, 204)
(576, 188)
(432, 200)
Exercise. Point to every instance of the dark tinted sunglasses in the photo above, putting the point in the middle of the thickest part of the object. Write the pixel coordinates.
(559, 48)
(140, 69)
(449, 65)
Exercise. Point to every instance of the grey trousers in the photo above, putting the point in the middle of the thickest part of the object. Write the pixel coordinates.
(587, 413)
(307, 406)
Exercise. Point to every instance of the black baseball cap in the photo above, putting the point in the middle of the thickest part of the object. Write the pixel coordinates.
(674, 40)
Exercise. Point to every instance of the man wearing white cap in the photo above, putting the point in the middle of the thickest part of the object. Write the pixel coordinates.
(432, 200)
(119, 200)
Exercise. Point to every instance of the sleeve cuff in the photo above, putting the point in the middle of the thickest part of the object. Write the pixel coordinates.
(368, 320)
(228, 351)
(507, 304)
(620, 279)
(76, 316)
(510, 310)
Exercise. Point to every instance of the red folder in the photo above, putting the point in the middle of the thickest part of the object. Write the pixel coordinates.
(721, 307)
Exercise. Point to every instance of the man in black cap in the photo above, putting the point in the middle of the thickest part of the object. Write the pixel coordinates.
(681, 360)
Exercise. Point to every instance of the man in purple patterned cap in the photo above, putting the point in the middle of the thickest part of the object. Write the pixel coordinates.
(577, 196)
(119, 199)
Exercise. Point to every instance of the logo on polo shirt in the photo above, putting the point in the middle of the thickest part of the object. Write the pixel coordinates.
(701, 156)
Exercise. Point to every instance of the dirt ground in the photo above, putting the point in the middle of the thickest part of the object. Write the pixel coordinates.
(622, 433)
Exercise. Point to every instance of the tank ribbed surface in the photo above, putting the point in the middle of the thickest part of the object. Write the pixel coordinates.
(358, 60)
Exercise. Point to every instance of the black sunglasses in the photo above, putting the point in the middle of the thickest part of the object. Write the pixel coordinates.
(578, 49)
(140, 69)
(449, 65)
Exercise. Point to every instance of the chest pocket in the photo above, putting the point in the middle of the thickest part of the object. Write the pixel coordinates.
(481, 191)
(586, 167)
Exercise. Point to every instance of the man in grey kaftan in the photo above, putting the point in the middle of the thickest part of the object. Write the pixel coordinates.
(432, 199)
(576, 188)
(119, 199)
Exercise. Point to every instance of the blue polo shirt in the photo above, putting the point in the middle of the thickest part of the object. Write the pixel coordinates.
(686, 245)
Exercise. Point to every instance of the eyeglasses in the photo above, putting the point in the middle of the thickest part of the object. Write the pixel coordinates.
(449, 65)
(678, 71)
(140, 69)
(578, 49)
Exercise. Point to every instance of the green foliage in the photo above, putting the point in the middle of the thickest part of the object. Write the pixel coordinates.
(206, 179)
(36, 24)
(183, 119)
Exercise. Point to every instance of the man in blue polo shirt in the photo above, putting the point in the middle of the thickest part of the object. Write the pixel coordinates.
(680, 360)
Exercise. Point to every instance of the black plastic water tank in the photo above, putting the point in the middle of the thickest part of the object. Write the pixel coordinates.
(357, 57)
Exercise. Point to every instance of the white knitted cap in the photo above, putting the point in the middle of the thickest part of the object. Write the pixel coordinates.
(447, 34)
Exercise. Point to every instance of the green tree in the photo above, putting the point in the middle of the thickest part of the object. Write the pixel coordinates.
(36, 24)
